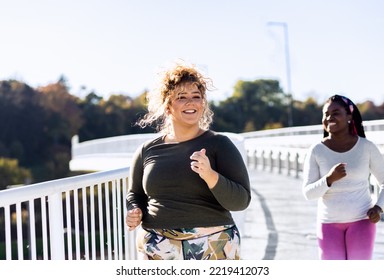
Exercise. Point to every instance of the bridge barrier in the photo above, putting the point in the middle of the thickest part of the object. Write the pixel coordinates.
(83, 217)
(80, 217)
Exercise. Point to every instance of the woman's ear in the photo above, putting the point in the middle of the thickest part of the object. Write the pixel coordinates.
(167, 111)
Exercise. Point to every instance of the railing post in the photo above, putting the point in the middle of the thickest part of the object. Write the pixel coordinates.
(279, 162)
(297, 165)
(288, 164)
(263, 159)
(255, 159)
(56, 226)
(250, 158)
(271, 161)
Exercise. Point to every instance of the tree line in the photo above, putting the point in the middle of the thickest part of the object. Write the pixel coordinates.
(37, 124)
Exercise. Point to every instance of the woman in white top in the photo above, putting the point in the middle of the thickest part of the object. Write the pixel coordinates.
(336, 172)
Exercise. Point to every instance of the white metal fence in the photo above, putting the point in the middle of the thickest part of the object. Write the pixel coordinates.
(283, 150)
(80, 217)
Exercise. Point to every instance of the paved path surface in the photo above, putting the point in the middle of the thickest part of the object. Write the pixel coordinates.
(280, 224)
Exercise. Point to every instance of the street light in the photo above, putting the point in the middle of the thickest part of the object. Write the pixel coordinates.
(288, 68)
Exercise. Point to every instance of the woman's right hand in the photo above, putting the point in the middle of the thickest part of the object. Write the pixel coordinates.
(337, 172)
(133, 218)
(374, 214)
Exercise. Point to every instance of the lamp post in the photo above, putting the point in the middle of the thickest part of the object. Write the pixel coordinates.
(288, 68)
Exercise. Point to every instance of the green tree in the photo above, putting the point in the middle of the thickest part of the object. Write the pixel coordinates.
(94, 125)
(307, 112)
(64, 111)
(12, 174)
(369, 111)
(253, 105)
(37, 125)
(22, 126)
(112, 117)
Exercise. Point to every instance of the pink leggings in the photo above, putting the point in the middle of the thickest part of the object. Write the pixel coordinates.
(347, 241)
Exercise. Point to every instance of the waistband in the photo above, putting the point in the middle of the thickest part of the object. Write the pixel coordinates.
(188, 233)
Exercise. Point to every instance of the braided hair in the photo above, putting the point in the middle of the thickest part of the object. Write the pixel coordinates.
(356, 124)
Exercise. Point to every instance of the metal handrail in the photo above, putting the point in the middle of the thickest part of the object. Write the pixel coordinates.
(63, 231)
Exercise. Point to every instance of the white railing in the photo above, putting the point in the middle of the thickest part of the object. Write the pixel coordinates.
(275, 149)
(105, 154)
(283, 150)
(81, 217)
(116, 152)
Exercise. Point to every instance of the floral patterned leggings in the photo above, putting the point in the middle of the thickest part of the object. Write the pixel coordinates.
(211, 243)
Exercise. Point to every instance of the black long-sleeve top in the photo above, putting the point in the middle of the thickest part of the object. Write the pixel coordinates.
(171, 195)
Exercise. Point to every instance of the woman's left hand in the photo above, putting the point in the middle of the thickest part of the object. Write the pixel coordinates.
(201, 165)
(374, 214)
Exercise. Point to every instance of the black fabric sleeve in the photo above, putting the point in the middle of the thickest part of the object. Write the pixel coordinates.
(232, 190)
(136, 197)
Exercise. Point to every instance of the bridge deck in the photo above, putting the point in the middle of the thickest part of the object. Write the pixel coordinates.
(280, 224)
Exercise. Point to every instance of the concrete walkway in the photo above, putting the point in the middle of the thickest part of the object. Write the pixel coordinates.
(280, 224)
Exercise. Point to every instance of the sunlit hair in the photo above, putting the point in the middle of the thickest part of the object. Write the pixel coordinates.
(356, 125)
(160, 98)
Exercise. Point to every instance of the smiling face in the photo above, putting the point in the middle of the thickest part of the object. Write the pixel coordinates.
(335, 118)
(186, 105)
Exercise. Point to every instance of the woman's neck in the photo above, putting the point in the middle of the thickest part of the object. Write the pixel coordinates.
(340, 143)
(183, 134)
(341, 137)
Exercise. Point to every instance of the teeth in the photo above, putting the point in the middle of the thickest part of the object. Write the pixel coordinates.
(189, 111)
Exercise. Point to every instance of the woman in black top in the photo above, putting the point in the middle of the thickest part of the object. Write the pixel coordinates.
(184, 183)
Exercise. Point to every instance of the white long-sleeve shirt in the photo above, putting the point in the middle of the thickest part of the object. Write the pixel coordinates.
(348, 199)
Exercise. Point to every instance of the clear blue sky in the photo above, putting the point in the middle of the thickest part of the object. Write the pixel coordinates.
(118, 46)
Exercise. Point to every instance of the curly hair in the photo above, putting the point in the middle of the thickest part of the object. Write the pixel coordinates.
(159, 99)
